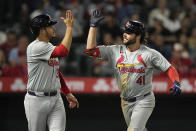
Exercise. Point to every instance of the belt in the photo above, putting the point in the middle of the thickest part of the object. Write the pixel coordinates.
(133, 99)
(53, 93)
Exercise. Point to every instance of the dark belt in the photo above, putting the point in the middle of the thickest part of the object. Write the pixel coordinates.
(53, 93)
(133, 99)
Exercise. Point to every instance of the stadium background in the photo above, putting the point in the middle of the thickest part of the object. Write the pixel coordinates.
(171, 27)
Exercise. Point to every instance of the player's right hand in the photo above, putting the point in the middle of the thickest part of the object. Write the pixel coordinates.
(69, 19)
(96, 18)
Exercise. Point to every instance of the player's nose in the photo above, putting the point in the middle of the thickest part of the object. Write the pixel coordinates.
(124, 35)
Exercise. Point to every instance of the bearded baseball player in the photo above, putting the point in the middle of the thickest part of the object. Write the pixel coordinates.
(132, 63)
(43, 103)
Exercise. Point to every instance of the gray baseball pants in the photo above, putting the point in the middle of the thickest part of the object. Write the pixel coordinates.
(137, 113)
(45, 110)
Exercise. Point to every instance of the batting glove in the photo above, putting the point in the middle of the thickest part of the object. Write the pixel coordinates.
(96, 17)
(176, 90)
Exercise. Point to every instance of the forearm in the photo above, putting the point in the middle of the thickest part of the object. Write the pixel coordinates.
(174, 77)
(64, 87)
(67, 38)
(91, 40)
(172, 74)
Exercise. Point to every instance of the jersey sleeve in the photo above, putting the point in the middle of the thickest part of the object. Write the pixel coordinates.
(59, 51)
(42, 51)
(159, 61)
(105, 52)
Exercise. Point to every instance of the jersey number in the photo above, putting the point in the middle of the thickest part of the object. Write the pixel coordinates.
(141, 80)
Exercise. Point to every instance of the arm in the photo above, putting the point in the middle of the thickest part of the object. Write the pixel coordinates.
(91, 49)
(69, 21)
(91, 40)
(63, 49)
(172, 74)
(64, 89)
(96, 18)
(174, 77)
(73, 102)
(159, 61)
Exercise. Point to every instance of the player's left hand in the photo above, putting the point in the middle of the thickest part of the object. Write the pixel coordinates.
(176, 90)
(69, 19)
(73, 102)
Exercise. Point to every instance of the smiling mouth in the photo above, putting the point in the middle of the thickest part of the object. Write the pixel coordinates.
(125, 39)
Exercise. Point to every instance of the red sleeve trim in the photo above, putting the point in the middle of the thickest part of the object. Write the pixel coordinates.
(94, 52)
(172, 74)
(59, 51)
(64, 88)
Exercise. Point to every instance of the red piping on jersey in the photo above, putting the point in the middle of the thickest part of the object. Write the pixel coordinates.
(59, 51)
(172, 74)
(140, 59)
(64, 89)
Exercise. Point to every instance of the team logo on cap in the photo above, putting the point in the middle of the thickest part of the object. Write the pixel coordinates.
(128, 24)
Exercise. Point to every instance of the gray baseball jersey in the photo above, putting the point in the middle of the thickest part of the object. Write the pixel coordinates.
(43, 76)
(43, 71)
(133, 70)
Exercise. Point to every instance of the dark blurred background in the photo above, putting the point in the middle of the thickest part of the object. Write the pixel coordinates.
(103, 113)
(171, 30)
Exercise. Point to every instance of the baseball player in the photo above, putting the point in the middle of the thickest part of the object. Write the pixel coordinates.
(43, 103)
(132, 63)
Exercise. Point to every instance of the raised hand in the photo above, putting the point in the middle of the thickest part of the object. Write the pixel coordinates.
(69, 19)
(96, 17)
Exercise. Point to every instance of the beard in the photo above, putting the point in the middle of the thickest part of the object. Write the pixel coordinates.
(130, 42)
